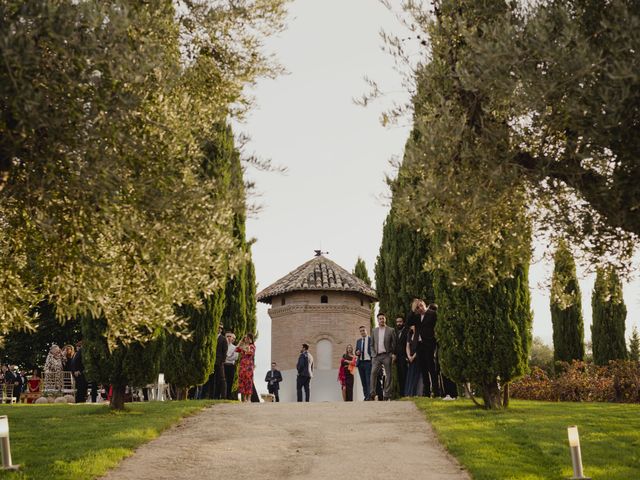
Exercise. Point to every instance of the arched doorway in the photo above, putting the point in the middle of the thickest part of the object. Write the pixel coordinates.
(324, 354)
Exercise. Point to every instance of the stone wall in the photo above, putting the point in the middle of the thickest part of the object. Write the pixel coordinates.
(303, 319)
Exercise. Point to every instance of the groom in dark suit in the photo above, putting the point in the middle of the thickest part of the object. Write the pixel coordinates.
(424, 321)
(363, 353)
(383, 346)
(273, 379)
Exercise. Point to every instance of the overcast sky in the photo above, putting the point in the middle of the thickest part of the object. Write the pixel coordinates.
(333, 195)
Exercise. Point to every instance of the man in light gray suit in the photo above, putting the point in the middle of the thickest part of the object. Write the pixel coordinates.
(383, 346)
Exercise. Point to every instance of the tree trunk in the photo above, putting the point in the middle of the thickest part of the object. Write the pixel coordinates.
(181, 393)
(491, 395)
(505, 396)
(117, 397)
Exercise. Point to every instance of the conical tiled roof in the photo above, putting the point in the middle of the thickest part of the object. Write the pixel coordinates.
(319, 273)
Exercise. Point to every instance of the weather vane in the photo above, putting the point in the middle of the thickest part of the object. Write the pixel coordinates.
(320, 252)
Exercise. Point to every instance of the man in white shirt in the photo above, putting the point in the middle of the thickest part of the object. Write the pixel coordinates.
(363, 353)
(230, 364)
(384, 346)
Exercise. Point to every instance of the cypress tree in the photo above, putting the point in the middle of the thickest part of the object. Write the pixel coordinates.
(566, 308)
(235, 316)
(485, 333)
(399, 270)
(609, 316)
(250, 292)
(360, 271)
(634, 346)
(189, 362)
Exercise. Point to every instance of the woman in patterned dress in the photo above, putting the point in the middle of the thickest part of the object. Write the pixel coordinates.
(53, 369)
(247, 351)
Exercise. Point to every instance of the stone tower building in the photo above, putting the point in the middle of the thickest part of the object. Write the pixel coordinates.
(322, 304)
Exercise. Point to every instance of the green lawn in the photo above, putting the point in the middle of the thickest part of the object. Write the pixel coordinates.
(84, 441)
(528, 441)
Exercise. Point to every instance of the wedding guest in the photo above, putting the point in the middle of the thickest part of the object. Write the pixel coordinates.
(67, 357)
(383, 354)
(247, 350)
(413, 373)
(345, 373)
(22, 375)
(363, 353)
(273, 379)
(219, 383)
(401, 354)
(230, 364)
(77, 367)
(305, 372)
(33, 385)
(53, 368)
(423, 321)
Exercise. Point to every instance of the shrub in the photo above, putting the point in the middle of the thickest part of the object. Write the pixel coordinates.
(619, 381)
(534, 386)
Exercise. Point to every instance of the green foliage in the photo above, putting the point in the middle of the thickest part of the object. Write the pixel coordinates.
(361, 272)
(135, 364)
(609, 314)
(521, 104)
(188, 362)
(500, 446)
(634, 346)
(250, 291)
(97, 439)
(105, 208)
(566, 308)
(485, 333)
(541, 355)
(476, 236)
(399, 270)
(29, 349)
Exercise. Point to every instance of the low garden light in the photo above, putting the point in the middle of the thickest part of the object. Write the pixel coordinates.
(4, 444)
(576, 456)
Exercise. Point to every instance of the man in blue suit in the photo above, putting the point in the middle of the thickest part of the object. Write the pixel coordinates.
(363, 352)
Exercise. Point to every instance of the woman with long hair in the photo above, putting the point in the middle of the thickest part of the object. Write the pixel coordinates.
(345, 373)
(67, 355)
(247, 350)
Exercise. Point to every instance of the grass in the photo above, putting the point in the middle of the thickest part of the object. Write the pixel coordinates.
(528, 441)
(84, 441)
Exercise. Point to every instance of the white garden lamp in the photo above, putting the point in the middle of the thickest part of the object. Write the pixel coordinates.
(4, 444)
(576, 456)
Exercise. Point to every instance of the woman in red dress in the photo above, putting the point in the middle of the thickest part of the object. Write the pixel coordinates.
(33, 386)
(345, 373)
(247, 351)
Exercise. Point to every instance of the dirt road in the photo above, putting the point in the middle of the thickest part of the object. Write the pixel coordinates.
(310, 441)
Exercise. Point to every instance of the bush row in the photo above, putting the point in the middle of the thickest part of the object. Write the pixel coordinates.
(582, 382)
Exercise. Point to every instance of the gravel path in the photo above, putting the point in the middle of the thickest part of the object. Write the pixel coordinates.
(310, 441)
